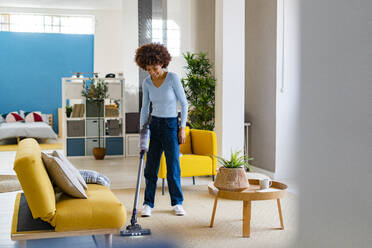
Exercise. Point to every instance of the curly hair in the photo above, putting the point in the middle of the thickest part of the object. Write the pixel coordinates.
(152, 54)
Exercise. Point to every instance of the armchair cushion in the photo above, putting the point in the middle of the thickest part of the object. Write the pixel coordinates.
(203, 142)
(195, 165)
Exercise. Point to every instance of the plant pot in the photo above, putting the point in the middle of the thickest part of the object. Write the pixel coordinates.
(231, 179)
(68, 114)
(99, 153)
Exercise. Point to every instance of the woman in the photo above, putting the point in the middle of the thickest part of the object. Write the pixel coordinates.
(164, 90)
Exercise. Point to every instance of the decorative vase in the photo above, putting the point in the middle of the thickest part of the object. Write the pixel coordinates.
(99, 153)
(231, 179)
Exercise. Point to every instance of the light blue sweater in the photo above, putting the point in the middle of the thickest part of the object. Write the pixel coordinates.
(164, 99)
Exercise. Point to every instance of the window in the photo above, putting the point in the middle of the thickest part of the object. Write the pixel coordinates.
(37, 23)
(173, 39)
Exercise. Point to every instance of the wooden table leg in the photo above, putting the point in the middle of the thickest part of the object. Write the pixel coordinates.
(246, 219)
(280, 214)
(214, 211)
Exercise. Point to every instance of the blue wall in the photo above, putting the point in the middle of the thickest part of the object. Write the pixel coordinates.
(32, 65)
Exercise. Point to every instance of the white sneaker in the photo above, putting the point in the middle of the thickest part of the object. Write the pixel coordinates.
(146, 211)
(178, 210)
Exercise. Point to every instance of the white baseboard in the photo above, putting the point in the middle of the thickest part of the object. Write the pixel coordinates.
(263, 171)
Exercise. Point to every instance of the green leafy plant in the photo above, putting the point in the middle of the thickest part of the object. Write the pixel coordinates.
(236, 160)
(199, 86)
(95, 90)
(68, 111)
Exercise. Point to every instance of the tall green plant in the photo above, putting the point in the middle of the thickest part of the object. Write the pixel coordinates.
(199, 86)
(97, 93)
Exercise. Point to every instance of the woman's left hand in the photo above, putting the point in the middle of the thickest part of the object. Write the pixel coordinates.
(181, 135)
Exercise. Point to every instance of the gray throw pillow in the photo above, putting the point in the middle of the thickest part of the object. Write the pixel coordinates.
(62, 176)
(95, 177)
(67, 163)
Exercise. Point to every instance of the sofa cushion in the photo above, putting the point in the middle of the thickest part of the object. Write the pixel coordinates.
(67, 163)
(62, 176)
(101, 210)
(34, 180)
(195, 165)
(186, 148)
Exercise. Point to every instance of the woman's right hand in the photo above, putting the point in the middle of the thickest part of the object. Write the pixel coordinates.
(181, 135)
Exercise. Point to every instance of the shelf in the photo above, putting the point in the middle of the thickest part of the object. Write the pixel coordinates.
(81, 144)
(75, 119)
(113, 118)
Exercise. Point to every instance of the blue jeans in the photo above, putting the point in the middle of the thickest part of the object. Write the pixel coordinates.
(163, 137)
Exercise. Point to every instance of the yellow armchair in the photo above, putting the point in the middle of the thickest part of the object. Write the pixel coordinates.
(195, 159)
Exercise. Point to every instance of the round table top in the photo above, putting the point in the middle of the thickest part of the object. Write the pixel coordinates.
(252, 193)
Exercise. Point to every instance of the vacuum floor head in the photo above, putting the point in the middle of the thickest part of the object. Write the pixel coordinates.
(135, 230)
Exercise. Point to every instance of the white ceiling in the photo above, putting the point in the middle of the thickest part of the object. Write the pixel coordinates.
(63, 4)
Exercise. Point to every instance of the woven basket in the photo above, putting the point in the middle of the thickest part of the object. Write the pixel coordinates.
(111, 111)
(231, 179)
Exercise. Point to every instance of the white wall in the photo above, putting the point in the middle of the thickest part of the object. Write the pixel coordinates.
(287, 90)
(108, 41)
(335, 124)
(230, 66)
(202, 21)
(129, 45)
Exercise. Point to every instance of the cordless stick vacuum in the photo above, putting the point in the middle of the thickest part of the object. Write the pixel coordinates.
(134, 229)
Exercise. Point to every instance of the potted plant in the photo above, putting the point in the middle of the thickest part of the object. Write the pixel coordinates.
(96, 93)
(199, 86)
(231, 175)
(68, 111)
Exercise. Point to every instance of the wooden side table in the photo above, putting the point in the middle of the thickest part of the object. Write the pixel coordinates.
(253, 193)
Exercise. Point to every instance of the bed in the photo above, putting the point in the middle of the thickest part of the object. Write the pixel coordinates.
(40, 130)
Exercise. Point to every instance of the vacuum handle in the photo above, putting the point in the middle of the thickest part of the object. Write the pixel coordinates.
(144, 140)
(138, 186)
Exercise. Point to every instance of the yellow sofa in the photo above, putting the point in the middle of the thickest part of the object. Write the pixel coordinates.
(101, 214)
(196, 159)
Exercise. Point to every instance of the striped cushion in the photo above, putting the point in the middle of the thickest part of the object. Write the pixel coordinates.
(95, 177)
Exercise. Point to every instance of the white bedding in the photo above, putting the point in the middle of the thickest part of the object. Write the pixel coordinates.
(22, 129)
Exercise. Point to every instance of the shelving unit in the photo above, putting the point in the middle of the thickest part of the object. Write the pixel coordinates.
(80, 134)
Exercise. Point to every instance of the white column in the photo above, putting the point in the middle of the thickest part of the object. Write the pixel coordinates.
(130, 44)
(229, 64)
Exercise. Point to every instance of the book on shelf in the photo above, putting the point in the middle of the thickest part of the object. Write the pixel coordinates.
(78, 111)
